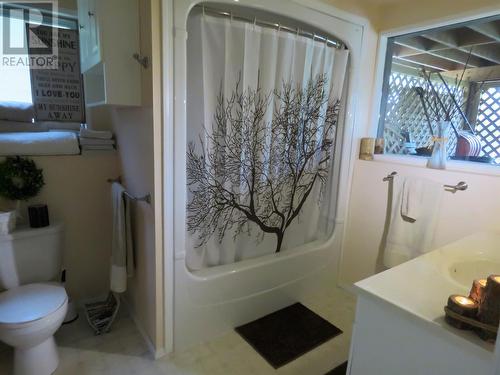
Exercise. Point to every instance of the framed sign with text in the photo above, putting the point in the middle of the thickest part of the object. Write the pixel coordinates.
(56, 80)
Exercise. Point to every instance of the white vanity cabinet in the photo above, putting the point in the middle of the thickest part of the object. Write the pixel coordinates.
(109, 38)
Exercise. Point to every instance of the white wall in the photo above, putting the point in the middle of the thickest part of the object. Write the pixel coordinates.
(461, 213)
(78, 195)
(136, 131)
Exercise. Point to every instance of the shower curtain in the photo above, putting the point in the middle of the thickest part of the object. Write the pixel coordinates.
(222, 54)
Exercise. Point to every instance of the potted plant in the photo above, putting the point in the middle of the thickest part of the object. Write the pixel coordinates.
(20, 180)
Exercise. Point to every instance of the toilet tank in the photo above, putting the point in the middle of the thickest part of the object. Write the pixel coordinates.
(30, 255)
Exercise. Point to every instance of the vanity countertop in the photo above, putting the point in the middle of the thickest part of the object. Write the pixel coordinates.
(421, 287)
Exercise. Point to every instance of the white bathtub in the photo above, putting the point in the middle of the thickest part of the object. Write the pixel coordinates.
(203, 304)
(215, 300)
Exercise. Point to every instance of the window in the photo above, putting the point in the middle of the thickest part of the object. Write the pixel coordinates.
(30, 93)
(15, 85)
(488, 121)
(450, 73)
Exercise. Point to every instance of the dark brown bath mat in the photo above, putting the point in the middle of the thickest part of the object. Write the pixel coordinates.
(340, 370)
(286, 334)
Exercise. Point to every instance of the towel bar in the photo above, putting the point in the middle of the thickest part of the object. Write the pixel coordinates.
(461, 186)
(146, 198)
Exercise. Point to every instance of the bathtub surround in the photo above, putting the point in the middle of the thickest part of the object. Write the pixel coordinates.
(210, 301)
(263, 74)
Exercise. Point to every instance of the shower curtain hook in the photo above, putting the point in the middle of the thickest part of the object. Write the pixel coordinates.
(254, 22)
(231, 17)
(203, 10)
(298, 32)
(279, 27)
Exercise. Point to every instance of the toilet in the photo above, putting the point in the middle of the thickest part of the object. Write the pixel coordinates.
(33, 304)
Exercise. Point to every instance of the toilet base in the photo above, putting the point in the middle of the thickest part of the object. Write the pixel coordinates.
(42, 359)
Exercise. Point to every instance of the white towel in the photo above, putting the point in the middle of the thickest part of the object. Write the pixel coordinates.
(88, 133)
(122, 257)
(96, 141)
(98, 147)
(39, 143)
(415, 209)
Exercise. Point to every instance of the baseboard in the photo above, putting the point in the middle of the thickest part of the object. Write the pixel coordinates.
(157, 353)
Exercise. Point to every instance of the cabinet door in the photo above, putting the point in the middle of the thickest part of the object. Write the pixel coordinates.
(88, 19)
(94, 34)
(84, 27)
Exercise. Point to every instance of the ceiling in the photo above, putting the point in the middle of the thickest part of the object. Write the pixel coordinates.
(475, 45)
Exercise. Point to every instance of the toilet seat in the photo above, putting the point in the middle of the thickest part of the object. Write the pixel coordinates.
(30, 303)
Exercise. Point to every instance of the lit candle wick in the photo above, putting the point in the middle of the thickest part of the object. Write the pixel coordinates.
(497, 279)
(464, 301)
(482, 282)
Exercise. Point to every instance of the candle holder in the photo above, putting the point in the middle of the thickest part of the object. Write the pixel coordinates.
(460, 306)
(477, 291)
(480, 311)
(489, 310)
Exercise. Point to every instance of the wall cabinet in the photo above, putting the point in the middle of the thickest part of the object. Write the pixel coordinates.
(109, 37)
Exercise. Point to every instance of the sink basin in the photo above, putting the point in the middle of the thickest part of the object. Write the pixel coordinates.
(464, 272)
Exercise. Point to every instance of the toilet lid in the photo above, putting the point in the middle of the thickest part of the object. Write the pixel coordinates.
(32, 302)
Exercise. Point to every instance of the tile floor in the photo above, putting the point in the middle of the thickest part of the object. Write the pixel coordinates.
(123, 352)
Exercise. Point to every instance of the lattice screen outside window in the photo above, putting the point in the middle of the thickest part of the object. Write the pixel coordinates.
(405, 114)
(488, 122)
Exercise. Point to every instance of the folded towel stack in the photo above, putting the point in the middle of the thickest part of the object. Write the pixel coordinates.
(91, 140)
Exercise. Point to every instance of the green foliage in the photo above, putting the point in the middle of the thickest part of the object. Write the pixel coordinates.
(20, 179)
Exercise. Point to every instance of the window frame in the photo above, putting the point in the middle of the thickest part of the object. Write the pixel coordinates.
(378, 85)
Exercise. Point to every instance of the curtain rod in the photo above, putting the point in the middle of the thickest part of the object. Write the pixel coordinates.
(336, 43)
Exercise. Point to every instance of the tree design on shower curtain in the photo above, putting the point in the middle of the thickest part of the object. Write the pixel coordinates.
(259, 170)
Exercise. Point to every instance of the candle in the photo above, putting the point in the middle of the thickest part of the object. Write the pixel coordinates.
(477, 290)
(464, 301)
(489, 311)
(367, 148)
(464, 306)
(379, 145)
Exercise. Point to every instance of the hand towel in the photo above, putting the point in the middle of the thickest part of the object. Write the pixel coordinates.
(409, 204)
(96, 141)
(415, 209)
(88, 133)
(122, 258)
(98, 147)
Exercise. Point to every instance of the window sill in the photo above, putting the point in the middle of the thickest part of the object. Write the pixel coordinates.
(451, 165)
